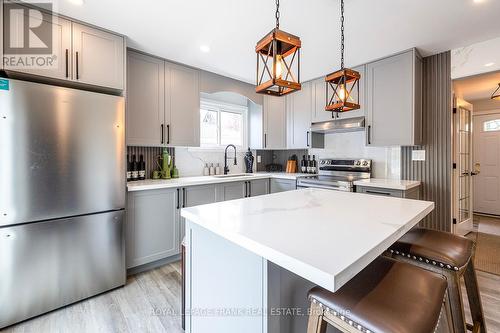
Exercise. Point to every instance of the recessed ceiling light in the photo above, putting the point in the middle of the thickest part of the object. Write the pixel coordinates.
(479, 1)
(489, 64)
(76, 2)
(205, 48)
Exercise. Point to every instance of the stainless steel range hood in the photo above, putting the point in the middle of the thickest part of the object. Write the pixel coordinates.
(339, 125)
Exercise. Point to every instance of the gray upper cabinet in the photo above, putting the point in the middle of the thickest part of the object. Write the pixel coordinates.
(98, 57)
(152, 226)
(394, 100)
(274, 122)
(258, 187)
(82, 53)
(318, 95)
(299, 112)
(182, 116)
(61, 43)
(163, 102)
(145, 100)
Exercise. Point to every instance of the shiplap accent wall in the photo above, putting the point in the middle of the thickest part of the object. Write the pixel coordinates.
(150, 156)
(436, 171)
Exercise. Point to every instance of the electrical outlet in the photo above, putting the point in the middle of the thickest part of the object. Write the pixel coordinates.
(259, 159)
(418, 155)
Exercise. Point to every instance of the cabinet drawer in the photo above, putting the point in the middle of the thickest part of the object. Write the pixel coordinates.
(380, 191)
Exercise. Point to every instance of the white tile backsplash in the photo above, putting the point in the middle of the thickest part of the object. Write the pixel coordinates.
(386, 160)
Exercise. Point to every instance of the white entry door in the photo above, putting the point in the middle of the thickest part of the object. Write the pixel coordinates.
(487, 158)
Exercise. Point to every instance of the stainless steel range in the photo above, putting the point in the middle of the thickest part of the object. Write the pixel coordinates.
(337, 174)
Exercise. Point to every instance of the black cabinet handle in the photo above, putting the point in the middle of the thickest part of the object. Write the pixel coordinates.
(184, 198)
(162, 131)
(369, 134)
(67, 63)
(246, 189)
(77, 71)
(265, 140)
(178, 198)
(308, 138)
(379, 193)
(168, 134)
(249, 189)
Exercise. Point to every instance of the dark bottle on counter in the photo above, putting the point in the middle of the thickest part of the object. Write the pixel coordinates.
(135, 168)
(303, 164)
(142, 168)
(129, 169)
(314, 166)
(309, 164)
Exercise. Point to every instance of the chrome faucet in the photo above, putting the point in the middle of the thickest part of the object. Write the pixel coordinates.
(226, 168)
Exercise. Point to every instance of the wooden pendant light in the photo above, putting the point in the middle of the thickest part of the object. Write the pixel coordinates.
(342, 86)
(278, 58)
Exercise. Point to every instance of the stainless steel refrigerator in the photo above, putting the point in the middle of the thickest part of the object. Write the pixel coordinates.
(62, 197)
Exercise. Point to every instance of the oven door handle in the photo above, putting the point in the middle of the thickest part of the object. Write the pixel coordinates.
(330, 187)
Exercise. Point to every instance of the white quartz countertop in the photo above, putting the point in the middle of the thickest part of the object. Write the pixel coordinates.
(152, 184)
(324, 236)
(394, 184)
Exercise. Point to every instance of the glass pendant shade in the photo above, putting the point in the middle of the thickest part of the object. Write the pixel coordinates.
(342, 91)
(278, 63)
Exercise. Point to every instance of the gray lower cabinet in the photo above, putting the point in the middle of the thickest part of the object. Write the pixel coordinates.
(152, 226)
(232, 191)
(282, 185)
(413, 193)
(258, 187)
(194, 196)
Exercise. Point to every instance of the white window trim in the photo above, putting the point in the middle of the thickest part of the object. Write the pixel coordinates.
(490, 121)
(224, 107)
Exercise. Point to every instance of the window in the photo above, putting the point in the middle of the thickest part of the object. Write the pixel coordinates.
(222, 124)
(492, 125)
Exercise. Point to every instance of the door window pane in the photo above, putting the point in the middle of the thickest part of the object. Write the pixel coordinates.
(492, 125)
(231, 128)
(208, 127)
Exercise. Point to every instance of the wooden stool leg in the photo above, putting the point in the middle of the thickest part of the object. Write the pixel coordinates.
(316, 323)
(456, 302)
(476, 307)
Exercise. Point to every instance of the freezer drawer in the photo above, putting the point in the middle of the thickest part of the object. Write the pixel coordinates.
(46, 265)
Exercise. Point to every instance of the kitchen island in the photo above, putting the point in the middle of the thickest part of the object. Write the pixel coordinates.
(250, 262)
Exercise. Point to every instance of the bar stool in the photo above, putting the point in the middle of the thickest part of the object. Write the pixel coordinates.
(453, 257)
(387, 296)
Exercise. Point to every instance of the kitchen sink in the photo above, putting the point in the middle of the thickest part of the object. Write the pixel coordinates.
(235, 175)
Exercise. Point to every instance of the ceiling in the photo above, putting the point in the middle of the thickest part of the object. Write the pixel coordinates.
(476, 59)
(175, 29)
(477, 87)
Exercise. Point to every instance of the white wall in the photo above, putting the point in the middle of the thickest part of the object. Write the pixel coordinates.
(386, 160)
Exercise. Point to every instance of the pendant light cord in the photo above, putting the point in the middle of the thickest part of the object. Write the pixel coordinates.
(342, 34)
(277, 14)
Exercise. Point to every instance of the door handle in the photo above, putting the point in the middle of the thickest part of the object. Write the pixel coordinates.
(265, 140)
(77, 71)
(67, 63)
(369, 134)
(307, 135)
(168, 134)
(162, 135)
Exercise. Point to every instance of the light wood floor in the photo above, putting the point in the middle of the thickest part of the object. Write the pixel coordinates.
(150, 302)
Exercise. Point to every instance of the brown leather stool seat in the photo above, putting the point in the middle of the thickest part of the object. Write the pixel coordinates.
(387, 296)
(436, 247)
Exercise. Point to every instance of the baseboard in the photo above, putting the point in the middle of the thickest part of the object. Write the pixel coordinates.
(487, 215)
(153, 265)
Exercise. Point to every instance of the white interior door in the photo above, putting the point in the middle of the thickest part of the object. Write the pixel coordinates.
(462, 139)
(487, 159)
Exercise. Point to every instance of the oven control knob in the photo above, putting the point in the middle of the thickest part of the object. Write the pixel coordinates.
(322, 162)
(365, 163)
(358, 163)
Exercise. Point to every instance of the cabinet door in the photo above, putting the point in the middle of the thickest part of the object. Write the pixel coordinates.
(361, 111)
(199, 195)
(61, 42)
(319, 101)
(232, 191)
(282, 185)
(145, 100)
(152, 226)
(98, 57)
(390, 100)
(182, 111)
(274, 122)
(258, 187)
(299, 109)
